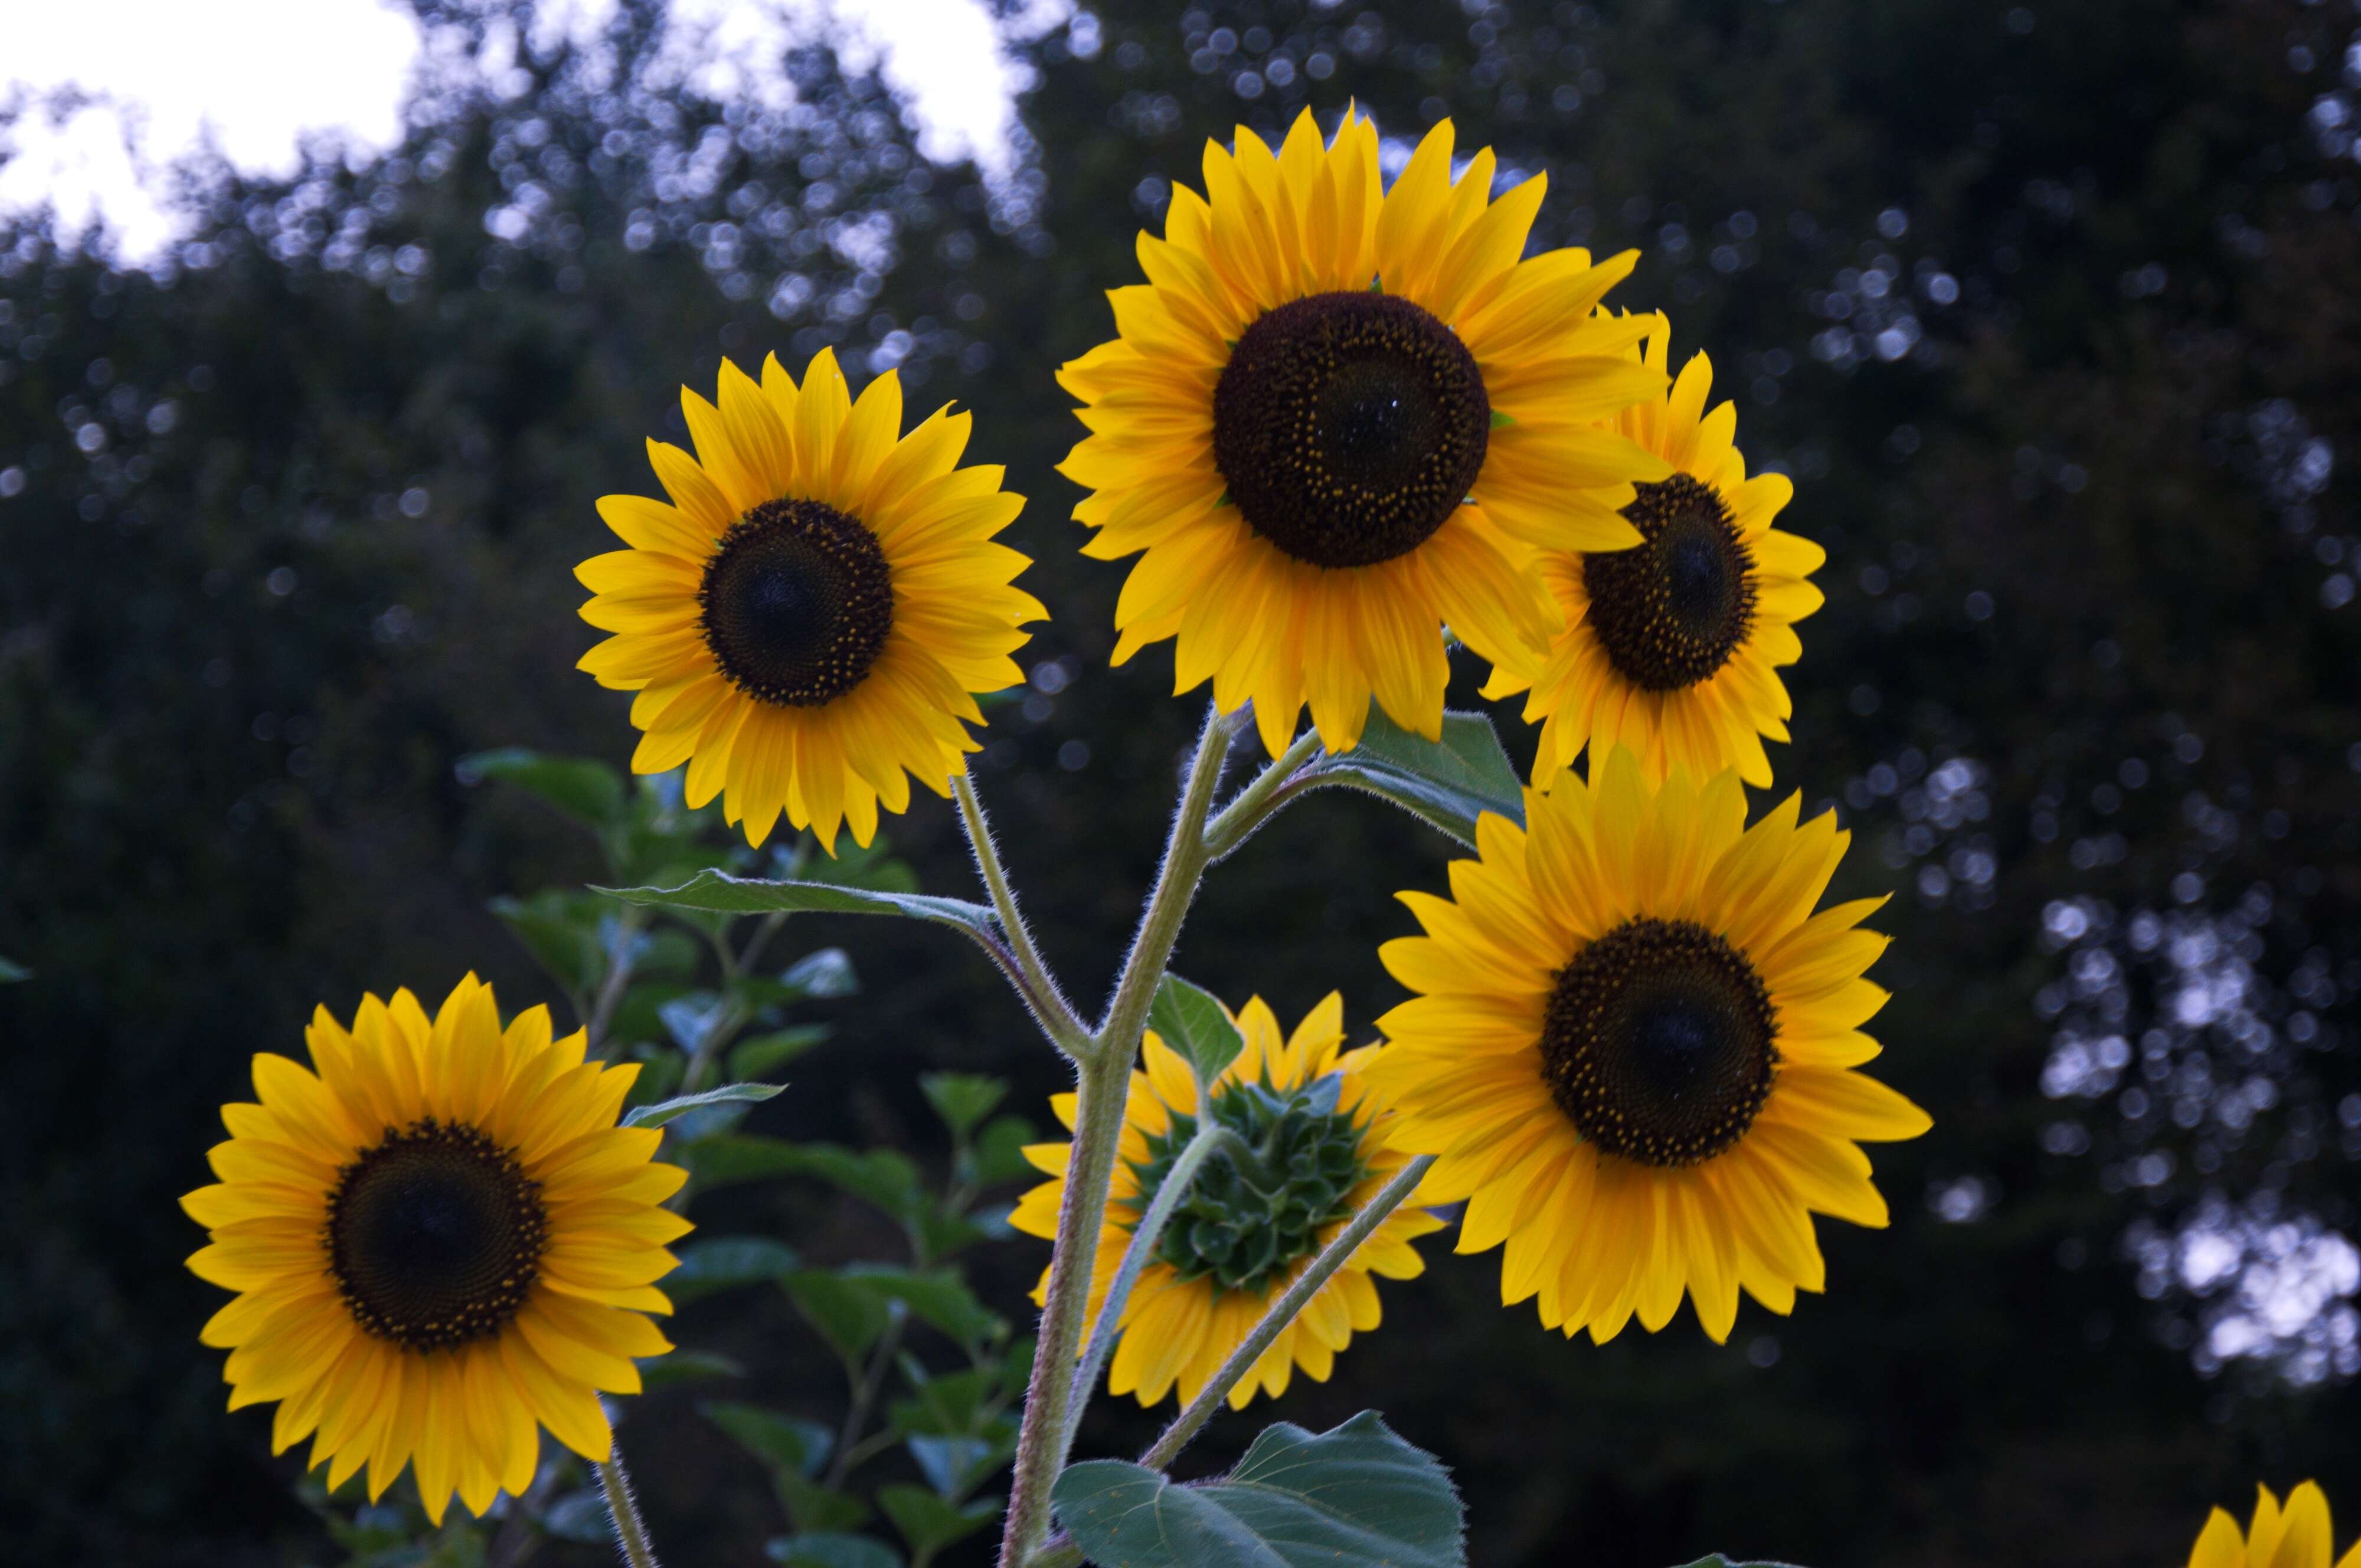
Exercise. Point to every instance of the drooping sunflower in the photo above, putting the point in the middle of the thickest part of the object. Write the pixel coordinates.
(1673, 649)
(1634, 1047)
(1240, 1238)
(1338, 416)
(2297, 1535)
(807, 620)
(439, 1237)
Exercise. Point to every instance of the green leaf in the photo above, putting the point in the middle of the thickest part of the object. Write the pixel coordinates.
(881, 1176)
(1446, 783)
(952, 1464)
(1499, 420)
(849, 1312)
(758, 1056)
(1357, 1496)
(816, 1508)
(962, 1099)
(953, 1405)
(1194, 1023)
(942, 1235)
(719, 1262)
(658, 1115)
(938, 1296)
(831, 1549)
(783, 1442)
(930, 1522)
(723, 894)
(11, 973)
(1000, 1150)
(590, 792)
(677, 1367)
(562, 931)
(640, 1016)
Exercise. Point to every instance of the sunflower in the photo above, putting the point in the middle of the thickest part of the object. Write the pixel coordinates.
(1632, 1048)
(1239, 1239)
(1336, 417)
(2295, 1537)
(439, 1236)
(805, 623)
(1673, 649)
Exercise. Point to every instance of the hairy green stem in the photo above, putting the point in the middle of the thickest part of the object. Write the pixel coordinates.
(1036, 984)
(1259, 801)
(1211, 1138)
(1098, 1129)
(1104, 1073)
(1176, 886)
(1291, 1300)
(630, 1534)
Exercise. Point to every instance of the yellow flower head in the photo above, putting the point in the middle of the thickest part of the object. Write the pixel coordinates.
(807, 619)
(2297, 1535)
(1673, 649)
(439, 1237)
(1632, 1048)
(1338, 416)
(1239, 1239)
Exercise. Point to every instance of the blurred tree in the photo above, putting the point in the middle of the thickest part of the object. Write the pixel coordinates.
(2046, 308)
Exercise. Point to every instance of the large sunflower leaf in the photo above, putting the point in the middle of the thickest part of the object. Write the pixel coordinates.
(1447, 784)
(1357, 1496)
(722, 893)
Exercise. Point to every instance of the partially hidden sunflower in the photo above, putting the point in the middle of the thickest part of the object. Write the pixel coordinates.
(1673, 649)
(1337, 417)
(2296, 1536)
(439, 1237)
(808, 618)
(1239, 1238)
(1632, 1048)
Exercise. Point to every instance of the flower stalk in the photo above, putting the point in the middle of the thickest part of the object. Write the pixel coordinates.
(1211, 1138)
(630, 1532)
(1034, 983)
(1103, 1084)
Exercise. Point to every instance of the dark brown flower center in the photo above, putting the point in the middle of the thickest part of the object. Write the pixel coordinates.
(797, 600)
(1348, 427)
(435, 1235)
(1673, 609)
(1658, 1043)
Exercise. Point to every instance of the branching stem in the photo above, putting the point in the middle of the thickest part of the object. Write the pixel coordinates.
(1261, 800)
(1103, 1073)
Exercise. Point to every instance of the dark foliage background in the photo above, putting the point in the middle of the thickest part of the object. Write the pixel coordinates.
(2048, 309)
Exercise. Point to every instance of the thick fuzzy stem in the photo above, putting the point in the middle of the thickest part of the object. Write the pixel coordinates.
(1104, 1081)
